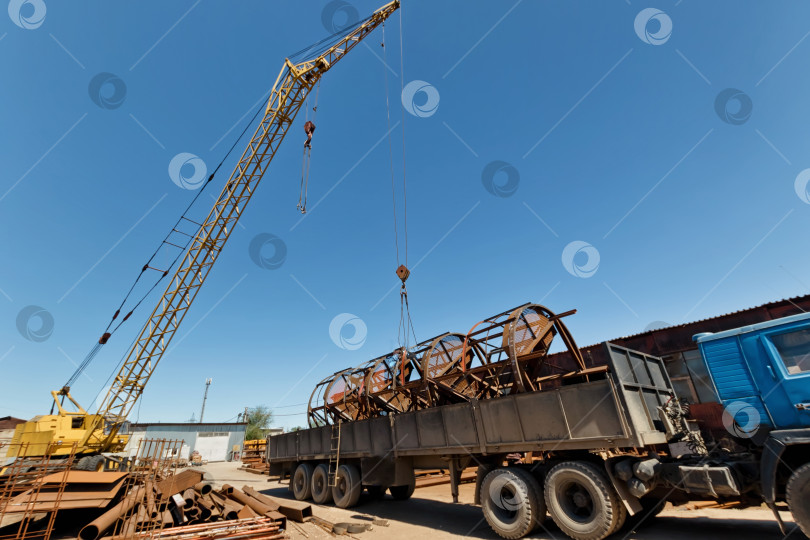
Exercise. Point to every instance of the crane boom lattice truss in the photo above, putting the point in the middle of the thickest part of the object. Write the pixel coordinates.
(292, 86)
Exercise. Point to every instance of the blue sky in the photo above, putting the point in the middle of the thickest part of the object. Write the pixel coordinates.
(606, 132)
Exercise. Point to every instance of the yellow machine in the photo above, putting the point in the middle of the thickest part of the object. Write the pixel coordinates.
(95, 433)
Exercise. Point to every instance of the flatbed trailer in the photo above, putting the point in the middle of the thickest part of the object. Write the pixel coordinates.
(616, 409)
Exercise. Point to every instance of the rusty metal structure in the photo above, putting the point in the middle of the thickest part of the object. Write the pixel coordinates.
(504, 354)
(31, 490)
(153, 461)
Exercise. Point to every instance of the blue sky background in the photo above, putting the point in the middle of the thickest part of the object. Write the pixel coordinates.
(594, 120)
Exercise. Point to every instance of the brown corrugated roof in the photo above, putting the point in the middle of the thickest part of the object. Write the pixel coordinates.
(9, 422)
(678, 338)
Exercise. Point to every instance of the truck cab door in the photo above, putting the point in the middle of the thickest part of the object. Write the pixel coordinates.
(789, 351)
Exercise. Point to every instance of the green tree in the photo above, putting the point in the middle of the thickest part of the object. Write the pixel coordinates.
(258, 419)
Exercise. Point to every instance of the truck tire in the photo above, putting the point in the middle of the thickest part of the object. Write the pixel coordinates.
(377, 493)
(402, 493)
(302, 482)
(321, 490)
(582, 501)
(798, 497)
(512, 502)
(537, 490)
(348, 486)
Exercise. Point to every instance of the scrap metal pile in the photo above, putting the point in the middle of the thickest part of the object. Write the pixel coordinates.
(148, 500)
(507, 353)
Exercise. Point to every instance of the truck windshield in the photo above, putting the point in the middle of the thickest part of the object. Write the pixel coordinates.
(794, 348)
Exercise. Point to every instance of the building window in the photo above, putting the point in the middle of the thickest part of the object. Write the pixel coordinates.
(794, 348)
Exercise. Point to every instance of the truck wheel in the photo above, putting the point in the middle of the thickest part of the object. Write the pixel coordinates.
(348, 486)
(321, 490)
(402, 493)
(511, 500)
(582, 502)
(798, 497)
(302, 482)
(537, 491)
(377, 493)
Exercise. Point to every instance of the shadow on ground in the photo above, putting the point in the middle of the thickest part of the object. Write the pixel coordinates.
(466, 520)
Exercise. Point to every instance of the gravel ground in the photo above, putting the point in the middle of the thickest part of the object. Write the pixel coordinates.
(430, 513)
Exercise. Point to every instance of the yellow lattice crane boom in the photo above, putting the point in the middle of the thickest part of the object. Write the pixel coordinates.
(99, 432)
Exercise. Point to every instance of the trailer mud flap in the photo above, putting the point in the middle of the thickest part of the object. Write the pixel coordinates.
(771, 454)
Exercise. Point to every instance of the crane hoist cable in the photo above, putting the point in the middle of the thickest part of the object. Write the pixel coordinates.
(110, 329)
(309, 129)
(405, 329)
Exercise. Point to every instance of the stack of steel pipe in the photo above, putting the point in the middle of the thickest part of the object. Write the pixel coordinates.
(179, 501)
(507, 353)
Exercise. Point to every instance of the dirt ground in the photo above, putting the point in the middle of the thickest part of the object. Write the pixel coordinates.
(430, 513)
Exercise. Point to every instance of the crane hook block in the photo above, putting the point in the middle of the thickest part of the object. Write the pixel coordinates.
(103, 339)
(403, 273)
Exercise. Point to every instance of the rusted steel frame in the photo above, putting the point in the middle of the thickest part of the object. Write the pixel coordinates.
(352, 403)
(316, 410)
(228, 529)
(511, 350)
(479, 389)
(474, 373)
(254, 504)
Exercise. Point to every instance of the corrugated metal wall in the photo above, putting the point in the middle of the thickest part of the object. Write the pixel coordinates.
(189, 433)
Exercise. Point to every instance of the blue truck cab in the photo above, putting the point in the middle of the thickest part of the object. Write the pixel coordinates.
(761, 373)
(761, 376)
